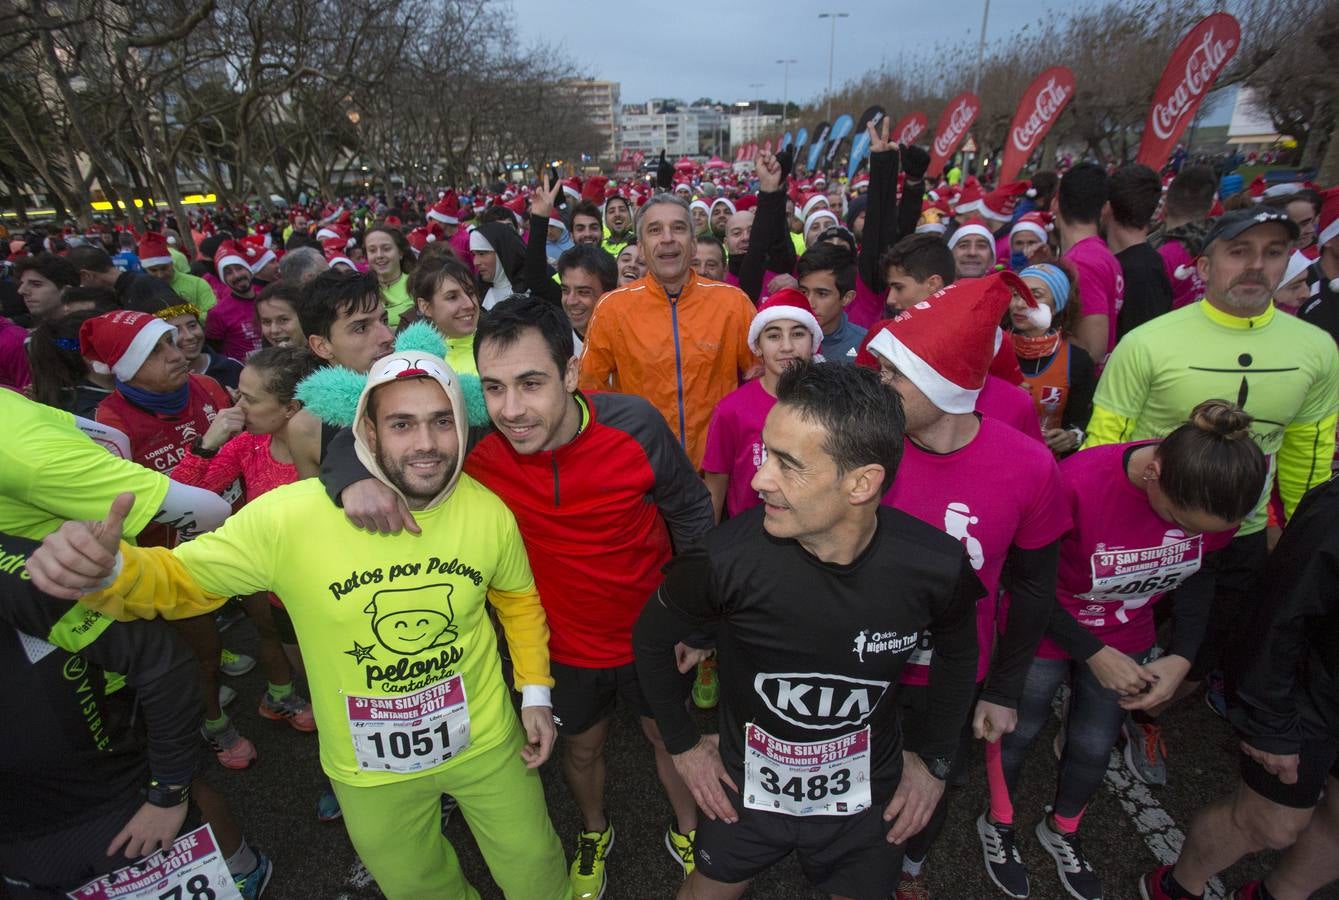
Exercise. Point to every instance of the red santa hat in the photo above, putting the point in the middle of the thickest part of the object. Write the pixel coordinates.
(746, 203)
(419, 238)
(860, 182)
(969, 228)
(1327, 225)
(229, 254)
(1036, 222)
(1257, 188)
(999, 204)
(683, 186)
(945, 344)
(258, 255)
(446, 210)
(572, 188)
(787, 304)
(153, 250)
(811, 203)
(334, 248)
(118, 343)
(968, 197)
(593, 190)
(820, 178)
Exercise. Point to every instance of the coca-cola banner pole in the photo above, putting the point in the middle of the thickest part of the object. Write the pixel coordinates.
(1041, 105)
(911, 127)
(954, 121)
(1198, 61)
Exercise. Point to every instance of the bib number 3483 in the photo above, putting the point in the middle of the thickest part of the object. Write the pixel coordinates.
(824, 778)
(412, 732)
(193, 869)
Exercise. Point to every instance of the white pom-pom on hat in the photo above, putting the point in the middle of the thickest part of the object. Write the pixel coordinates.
(1039, 316)
(1183, 272)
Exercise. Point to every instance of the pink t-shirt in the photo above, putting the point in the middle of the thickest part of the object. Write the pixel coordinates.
(1120, 557)
(232, 322)
(1187, 286)
(14, 373)
(1101, 282)
(1001, 490)
(216, 285)
(868, 305)
(734, 442)
(1011, 405)
(1003, 254)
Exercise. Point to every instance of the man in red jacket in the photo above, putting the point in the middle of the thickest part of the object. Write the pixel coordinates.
(578, 471)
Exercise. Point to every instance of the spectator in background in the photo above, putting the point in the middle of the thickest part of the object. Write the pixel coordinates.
(300, 265)
(134, 289)
(1185, 223)
(156, 257)
(1132, 200)
(42, 278)
(1078, 209)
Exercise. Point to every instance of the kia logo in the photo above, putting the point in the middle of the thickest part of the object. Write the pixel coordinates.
(817, 700)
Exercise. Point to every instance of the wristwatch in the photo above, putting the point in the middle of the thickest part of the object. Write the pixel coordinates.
(1078, 435)
(939, 766)
(167, 795)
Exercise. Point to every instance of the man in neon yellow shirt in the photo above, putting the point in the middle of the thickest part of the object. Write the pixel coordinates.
(1236, 346)
(401, 656)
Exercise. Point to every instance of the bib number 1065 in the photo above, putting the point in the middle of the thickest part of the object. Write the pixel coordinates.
(815, 787)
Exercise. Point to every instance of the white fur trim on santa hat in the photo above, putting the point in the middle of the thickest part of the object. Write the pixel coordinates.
(1328, 233)
(702, 203)
(1030, 228)
(326, 233)
(442, 217)
(944, 394)
(973, 228)
(727, 201)
(769, 314)
(265, 259)
(811, 205)
(341, 260)
(969, 207)
(231, 259)
(820, 214)
(931, 228)
(137, 351)
(149, 262)
(1298, 263)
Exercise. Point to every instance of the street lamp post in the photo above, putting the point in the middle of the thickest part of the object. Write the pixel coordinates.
(785, 91)
(832, 50)
(981, 49)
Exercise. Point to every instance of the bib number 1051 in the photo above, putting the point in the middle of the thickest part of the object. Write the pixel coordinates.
(407, 744)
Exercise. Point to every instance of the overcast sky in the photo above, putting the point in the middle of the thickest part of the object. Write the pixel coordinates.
(719, 49)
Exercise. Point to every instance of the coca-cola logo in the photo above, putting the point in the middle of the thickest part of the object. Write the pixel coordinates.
(957, 124)
(911, 131)
(1050, 99)
(1206, 60)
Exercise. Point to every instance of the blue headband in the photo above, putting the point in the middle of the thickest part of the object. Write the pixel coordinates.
(1054, 279)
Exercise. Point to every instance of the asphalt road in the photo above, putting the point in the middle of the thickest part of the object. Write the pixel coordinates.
(1126, 824)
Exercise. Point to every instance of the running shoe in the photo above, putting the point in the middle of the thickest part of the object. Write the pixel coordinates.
(1150, 884)
(587, 872)
(235, 664)
(1215, 694)
(327, 806)
(293, 709)
(228, 615)
(233, 750)
(1076, 875)
(1004, 864)
(1145, 754)
(253, 883)
(680, 846)
(912, 887)
(1251, 890)
(226, 695)
(706, 691)
(449, 805)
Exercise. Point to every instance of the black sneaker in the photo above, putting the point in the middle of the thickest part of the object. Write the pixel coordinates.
(1004, 864)
(1078, 878)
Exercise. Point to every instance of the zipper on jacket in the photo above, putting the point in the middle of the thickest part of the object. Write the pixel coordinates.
(556, 492)
(678, 370)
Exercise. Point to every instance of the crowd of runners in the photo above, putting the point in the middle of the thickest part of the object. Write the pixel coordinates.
(877, 469)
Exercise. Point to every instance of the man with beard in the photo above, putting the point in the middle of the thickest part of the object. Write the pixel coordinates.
(156, 257)
(617, 224)
(1234, 344)
(586, 225)
(401, 654)
(230, 326)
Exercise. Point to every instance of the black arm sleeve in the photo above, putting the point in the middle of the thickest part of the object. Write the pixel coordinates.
(909, 209)
(1191, 603)
(1073, 638)
(953, 666)
(340, 467)
(769, 244)
(1031, 582)
(880, 211)
(682, 604)
(536, 268)
(1082, 385)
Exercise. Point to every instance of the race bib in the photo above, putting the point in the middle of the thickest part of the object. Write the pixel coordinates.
(1132, 577)
(825, 778)
(410, 732)
(193, 869)
(925, 650)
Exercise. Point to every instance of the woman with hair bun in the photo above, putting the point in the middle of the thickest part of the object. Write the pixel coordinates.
(1149, 518)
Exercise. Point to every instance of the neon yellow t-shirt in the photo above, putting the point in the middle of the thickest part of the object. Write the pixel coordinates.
(396, 297)
(50, 471)
(460, 355)
(1281, 370)
(376, 616)
(194, 290)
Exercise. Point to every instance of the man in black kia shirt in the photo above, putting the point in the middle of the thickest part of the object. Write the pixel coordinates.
(817, 599)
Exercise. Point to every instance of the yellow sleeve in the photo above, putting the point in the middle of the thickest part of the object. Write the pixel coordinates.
(152, 583)
(1107, 427)
(1304, 459)
(527, 631)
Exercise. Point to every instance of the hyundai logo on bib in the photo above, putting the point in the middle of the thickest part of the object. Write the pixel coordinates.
(819, 701)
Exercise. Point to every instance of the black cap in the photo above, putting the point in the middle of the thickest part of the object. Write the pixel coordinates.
(1231, 224)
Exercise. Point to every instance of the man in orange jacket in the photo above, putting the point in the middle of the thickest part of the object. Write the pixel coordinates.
(674, 338)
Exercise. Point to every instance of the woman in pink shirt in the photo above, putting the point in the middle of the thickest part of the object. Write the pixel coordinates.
(1149, 518)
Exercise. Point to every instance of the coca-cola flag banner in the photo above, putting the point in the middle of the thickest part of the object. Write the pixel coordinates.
(820, 138)
(1198, 61)
(840, 130)
(1041, 105)
(954, 121)
(911, 127)
(801, 138)
(860, 143)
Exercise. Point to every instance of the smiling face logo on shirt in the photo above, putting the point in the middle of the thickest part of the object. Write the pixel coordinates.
(411, 620)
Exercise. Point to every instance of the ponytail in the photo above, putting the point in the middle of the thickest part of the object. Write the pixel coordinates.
(1211, 464)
